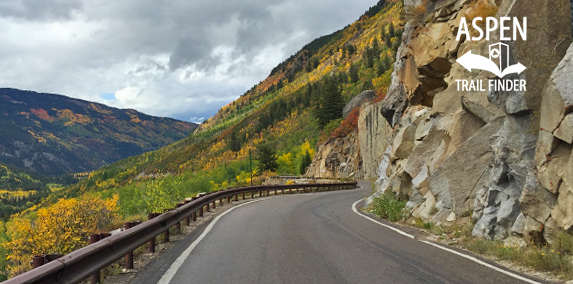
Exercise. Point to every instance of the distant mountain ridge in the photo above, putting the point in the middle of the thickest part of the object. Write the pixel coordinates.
(54, 134)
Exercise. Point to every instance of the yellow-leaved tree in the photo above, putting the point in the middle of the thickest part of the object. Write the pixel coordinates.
(58, 229)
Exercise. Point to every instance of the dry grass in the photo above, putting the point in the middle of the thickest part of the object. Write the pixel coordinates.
(417, 14)
(483, 9)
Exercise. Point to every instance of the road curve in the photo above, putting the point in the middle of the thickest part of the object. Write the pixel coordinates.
(317, 238)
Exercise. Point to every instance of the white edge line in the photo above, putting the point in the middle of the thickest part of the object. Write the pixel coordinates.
(484, 263)
(166, 279)
(379, 223)
(448, 250)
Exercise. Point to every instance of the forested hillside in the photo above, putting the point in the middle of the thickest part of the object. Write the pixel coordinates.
(54, 135)
(279, 123)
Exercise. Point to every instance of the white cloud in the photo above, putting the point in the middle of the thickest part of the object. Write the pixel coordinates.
(183, 59)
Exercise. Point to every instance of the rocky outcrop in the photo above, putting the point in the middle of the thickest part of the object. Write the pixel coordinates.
(373, 133)
(502, 157)
(357, 101)
(554, 146)
(336, 158)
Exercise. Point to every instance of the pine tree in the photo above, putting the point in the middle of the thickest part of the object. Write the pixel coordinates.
(380, 68)
(267, 158)
(375, 48)
(331, 102)
(306, 161)
(367, 85)
(354, 77)
(234, 142)
(391, 30)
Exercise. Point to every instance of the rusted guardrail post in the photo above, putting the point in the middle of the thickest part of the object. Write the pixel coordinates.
(151, 243)
(38, 261)
(187, 220)
(243, 196)
(129, 256)
(95, 278)
(236, 198)
(178, 225)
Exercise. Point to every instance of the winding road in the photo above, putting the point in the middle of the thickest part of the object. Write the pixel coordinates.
(314, 238)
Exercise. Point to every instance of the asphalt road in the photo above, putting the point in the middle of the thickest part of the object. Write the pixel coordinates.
(316, 238)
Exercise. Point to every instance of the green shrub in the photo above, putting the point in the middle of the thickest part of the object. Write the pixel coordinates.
(388, 207)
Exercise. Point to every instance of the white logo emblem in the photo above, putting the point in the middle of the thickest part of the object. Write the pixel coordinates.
(498, 62)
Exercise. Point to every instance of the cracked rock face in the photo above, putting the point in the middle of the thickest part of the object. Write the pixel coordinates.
(504, 158)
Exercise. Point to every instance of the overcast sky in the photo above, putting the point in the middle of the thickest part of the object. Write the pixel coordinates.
(178, 58)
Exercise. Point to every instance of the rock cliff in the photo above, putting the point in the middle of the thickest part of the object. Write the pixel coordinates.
(503, 157)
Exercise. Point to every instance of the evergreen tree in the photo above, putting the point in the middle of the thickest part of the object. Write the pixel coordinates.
(368, 57)
(380, 68)
(387, 62)
(267, 158)
(375, 48)
(234, 142)
(306, 161)
(342, 77)
(331, 102)
(354, 77)
(367, 85)
(391, 30)
(388, 41)
(351, 49)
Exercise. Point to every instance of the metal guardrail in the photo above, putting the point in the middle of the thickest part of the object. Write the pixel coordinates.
(84, 262)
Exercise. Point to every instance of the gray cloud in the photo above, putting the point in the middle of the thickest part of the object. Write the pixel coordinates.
(37, 10)
(176, 58)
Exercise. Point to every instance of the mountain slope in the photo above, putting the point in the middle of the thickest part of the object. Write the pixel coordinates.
(285, 114)
(53, 134)
(281, 111)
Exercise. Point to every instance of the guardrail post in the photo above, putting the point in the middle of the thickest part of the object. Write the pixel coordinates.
(236, 198)
(187, 221)
(95, 278)
(166, 236)
(243, 196)
(214, 204)
(201, 211)
(207, 207)
(129, 256)
(38, 261)
(151, 243)
(178, 225)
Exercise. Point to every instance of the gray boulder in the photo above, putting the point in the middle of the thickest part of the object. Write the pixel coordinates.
(357, 101)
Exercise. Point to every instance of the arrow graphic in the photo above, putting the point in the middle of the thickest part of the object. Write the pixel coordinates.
(473, 61)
